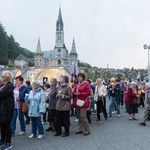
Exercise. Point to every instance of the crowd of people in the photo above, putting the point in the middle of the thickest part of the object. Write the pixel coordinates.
(55, 102)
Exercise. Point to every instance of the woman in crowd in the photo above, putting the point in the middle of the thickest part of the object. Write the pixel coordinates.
(52, 104)
(6, 109)
(29, 88)
(46, 92)
(82, 91)
(20, 91)
(131, 101)
(63, 107)
(147, 105)
(37, 107)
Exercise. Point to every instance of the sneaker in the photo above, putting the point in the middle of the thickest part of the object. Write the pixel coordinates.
(6, 146)
(118, 115)
(32, 136)
(43, 122)
(21, 133)
(41, 136)
(142, 123)
(114, 112)
(86, 133)
(76, 120)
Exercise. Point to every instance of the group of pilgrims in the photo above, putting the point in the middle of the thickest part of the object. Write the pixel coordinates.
(56, 101)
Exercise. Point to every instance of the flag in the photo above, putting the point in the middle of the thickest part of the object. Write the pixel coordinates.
(73, 72)
(138, 78)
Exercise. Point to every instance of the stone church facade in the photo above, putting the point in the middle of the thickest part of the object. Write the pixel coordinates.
(59, 62)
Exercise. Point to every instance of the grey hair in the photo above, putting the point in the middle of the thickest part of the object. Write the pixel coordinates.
(54, 80)
(99, 79)
(148, 84)
(112, 79)
(37, 82)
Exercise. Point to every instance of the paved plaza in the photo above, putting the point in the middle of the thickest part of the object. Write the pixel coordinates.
(113, 134)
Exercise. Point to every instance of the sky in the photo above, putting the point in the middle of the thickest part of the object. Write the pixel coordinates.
(107, 33)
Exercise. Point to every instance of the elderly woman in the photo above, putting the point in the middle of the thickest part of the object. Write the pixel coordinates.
(37, 107)
(20, 91)
(131, 101)
(100, 98)
(6, 109)
(147, 105)
(82, 92)
(52, 103)
(63, 107)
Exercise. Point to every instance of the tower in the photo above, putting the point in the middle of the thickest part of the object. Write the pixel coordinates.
(60, 51)
(38, 61)
(73, 52)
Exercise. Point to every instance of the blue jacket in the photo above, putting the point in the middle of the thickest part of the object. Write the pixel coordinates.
(36, 103)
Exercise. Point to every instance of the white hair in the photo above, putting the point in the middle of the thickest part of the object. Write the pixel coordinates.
(133, 82)
(112, 79)
(148, 84)
(99, 79)
(37, 82)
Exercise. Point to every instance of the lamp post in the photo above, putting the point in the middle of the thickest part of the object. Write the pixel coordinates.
(148, 47)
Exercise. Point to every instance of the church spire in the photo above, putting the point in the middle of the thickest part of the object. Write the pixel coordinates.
(73, 49)
(59, 24)
(38, 49)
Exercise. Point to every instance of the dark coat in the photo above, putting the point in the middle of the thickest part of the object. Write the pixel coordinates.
(6, 103)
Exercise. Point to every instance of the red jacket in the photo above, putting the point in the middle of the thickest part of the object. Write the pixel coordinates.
(84, 90)
(130, 96)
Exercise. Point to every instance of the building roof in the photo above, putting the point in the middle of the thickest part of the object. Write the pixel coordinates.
(22, 57)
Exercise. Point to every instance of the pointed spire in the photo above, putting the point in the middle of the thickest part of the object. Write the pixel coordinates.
(59, 24)
(38, 49)
(73, 49)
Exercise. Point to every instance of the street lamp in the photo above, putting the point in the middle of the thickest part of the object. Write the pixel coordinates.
(148, 47)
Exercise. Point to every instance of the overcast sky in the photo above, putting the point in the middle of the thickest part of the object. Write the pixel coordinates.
(106, 31)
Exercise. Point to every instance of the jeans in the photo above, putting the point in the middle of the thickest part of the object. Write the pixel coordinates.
(37, 123)
(113, 102)
(18, 112)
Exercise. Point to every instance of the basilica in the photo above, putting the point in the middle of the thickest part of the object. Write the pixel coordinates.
(58, 62)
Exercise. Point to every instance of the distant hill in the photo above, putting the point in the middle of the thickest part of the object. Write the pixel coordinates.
(10, 49)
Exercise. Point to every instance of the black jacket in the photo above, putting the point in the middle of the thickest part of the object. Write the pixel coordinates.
(6, 103)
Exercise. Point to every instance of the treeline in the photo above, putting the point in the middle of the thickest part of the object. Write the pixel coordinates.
(10, 49)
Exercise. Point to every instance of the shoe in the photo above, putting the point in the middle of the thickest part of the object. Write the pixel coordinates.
(49, 129)
(43, 122)
(109, 116)
(98, 119)
(27, 122)
(41, 136)
(118, 115)
(65, 134)
(57, 134)
(130, 119)
(21, 133)
(86, 133)
(134, 119)
(6, 146)
(76, 120)
(78, 132)
(142, 123)
(31, 136)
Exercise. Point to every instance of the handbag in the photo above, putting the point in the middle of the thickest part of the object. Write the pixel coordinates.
(24, 107)
(80, 102)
